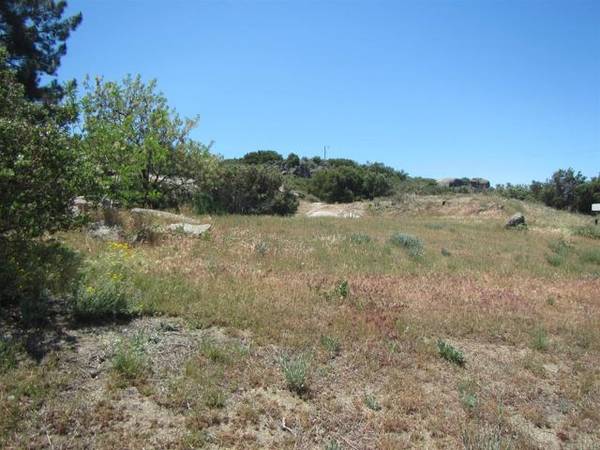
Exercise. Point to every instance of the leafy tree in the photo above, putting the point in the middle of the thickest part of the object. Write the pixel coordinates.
(262, 157)
(137, 148)
(38, 180)
(586, 194)
(292, 160)
(561, 189)
(38, 163)
(34, 34)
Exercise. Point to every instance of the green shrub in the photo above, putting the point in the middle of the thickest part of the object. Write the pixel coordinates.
(263, 157)
(333, 445)
(210, 349)
(106, 290)
(331, 344)
(106, 299)
(555, 259)
(559, 246)
(214, 398)
(348, 182)
(468, 397)
(261, 248)
(372, 403)
(8, 355)
(539, 339)
(588, 231)
(412, 244)
(129, 363)
(342, 289)
(450, 353)
(296, 371)
(248, 189)
(590, 255)
(31, 272)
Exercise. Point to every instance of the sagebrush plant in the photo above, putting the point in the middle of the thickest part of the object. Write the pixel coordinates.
(333, 445)
(371, 402)
(331, 344)
(106, 289)
(467, 394)
(413, 245)
(261, 248)
(296, 372)
(450, 353)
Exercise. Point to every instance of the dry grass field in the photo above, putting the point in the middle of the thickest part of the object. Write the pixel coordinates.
(330, 333)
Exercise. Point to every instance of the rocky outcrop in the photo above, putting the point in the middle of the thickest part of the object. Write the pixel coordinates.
(188, 228)
(516, 220)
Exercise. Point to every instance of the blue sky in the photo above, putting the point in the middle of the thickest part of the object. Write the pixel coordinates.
(507, 90)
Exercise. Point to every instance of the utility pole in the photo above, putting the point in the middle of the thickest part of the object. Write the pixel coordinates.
(325, 147)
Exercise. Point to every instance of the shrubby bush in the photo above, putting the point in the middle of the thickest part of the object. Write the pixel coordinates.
(262, 157)
(346, 183)
(106, 289)
(247, 189)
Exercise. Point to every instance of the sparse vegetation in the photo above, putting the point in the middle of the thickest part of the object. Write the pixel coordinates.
(119, 330)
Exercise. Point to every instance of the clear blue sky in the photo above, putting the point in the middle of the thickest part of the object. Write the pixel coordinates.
(508, 90)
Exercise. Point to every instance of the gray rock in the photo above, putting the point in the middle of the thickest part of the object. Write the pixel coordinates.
(80, 206)
(161, 214)
(188, 228)
(515, 220)
(104, 232)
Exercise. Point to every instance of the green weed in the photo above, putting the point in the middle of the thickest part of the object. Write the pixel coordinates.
(8, 355)
(331, 344)
(296, 370)
(590, 256)
(539, 339)
(129, 363)
(450, 353)
(342, 289)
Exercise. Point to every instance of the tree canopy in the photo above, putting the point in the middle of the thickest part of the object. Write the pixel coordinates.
(138, 150)
(34, 34)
